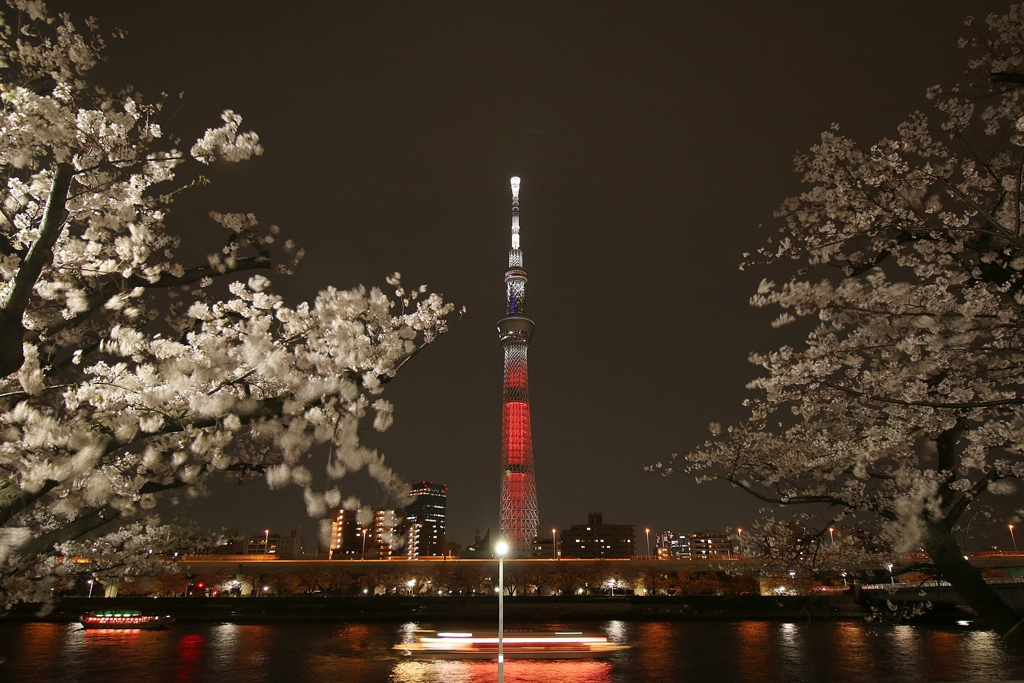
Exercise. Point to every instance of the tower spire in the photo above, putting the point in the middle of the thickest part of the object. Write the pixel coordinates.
(518, 486)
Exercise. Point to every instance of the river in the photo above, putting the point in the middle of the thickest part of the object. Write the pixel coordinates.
(663, 651)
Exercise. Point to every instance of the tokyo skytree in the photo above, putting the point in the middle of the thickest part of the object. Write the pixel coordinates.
(518, 487)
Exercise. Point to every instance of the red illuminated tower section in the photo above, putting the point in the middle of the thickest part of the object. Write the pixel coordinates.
(518, 488)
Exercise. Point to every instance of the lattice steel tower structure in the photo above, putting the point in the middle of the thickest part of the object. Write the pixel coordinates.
(518, 487)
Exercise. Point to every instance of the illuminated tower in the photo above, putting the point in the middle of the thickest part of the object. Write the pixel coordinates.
(518, 488)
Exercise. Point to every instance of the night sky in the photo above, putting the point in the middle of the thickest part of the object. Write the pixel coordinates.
(653, 141)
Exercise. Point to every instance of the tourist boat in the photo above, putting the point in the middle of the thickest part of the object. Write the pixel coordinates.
(124, 619)
(517, 645)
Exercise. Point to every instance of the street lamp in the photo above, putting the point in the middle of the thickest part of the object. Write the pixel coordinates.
(648, 532)
(363, 557)
(831, 534)
(891, 580)
(90, 587)
(501, 549)
(739, 532)
(1016, 552)
(554, 545)
(266, 541)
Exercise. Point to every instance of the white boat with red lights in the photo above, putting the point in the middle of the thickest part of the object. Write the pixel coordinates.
(517, 645)
(125, 619)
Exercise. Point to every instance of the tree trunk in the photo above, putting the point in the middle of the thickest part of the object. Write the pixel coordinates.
(968, 582)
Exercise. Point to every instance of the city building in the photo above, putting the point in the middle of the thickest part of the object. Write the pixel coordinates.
(673, 545)
(482, 548)
(595, 539)
(344, 540)
(708, 544)
(425, 520)
(518, 486)
(382, 537)
(288, 547)
(262, 544)
(545, 548)
(292, 546)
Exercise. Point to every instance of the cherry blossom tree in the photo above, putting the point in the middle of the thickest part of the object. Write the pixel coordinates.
(902, 410)
(122, 375)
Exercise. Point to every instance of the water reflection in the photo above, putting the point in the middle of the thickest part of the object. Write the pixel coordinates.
(663, 652)
(516, 671)
(754, 648)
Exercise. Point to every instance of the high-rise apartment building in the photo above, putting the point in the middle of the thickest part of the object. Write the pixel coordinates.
(425, 520)
(382, 537)
(595, 539)
(673, 545)
(344, 539)
(709, 544)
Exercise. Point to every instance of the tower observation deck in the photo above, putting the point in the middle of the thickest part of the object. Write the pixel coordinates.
(518, 486)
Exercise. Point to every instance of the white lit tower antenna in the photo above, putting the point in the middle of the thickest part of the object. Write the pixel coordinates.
(518, 486)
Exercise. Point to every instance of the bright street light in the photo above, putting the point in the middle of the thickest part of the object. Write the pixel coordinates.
(1014, 540)
(648, 532)
(501, 549)
(90, 587)
(554, 545)
(831, 533)
(364, 545)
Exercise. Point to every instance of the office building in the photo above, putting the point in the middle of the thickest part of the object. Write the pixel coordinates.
(425, 520)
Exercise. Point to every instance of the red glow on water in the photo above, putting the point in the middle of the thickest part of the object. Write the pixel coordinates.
(188, 665)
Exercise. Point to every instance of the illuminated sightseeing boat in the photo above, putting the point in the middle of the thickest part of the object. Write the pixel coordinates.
(517, 645)
(125, 619)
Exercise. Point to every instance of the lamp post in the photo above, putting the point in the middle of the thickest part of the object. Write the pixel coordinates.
(554, 546)
(266, 541)
(1014, 538)
(363, 556)
(648, 532)
(501, 549)
(832, 534)
(90, 582)
(892, 580)
(739, 533)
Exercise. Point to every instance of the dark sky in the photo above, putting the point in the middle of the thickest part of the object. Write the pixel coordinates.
(653, 139)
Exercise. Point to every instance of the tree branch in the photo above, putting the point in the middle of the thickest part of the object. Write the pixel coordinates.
(968, 497)
(928, 404)
(12, 329)
(91, 520)
(117, 286)
(13, 500)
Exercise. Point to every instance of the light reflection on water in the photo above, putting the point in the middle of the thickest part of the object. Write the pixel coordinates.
(516, 671)
(663, 652)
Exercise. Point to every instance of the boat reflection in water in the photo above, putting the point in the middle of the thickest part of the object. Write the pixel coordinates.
(517, 645)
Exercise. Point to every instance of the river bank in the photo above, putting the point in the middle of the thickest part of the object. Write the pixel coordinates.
(525, 609)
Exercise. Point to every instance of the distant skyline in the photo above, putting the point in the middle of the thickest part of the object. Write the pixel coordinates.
(654, 142)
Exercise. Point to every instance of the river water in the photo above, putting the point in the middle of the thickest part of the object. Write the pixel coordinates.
(663, 651)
